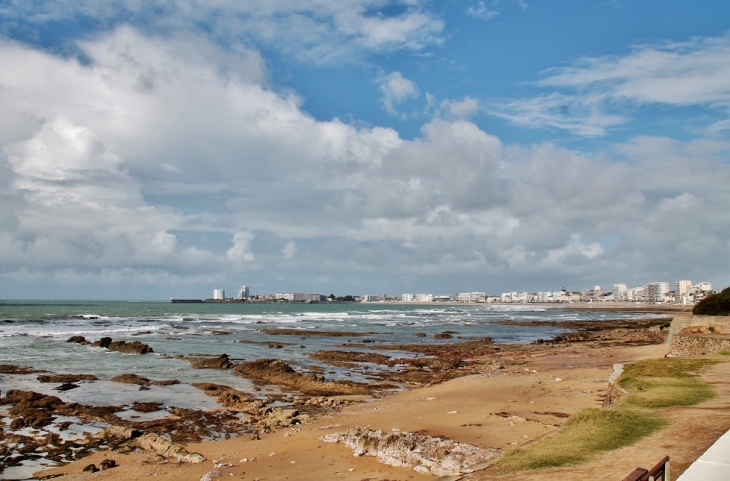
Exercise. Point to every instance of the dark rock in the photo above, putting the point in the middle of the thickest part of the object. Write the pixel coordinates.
(66, 377)
(91, 468)
(13, 369)
(274, 371)
(442, 335)
(107, 464)
(77, 339)
(165, 382)
(125, 347)
(220, 362)
(131, 379)
(147, 407)
(67, 386)
(104, 342)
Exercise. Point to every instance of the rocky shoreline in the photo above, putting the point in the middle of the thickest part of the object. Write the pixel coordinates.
(38, 426)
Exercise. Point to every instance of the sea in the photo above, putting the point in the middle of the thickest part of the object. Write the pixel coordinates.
(34, 333)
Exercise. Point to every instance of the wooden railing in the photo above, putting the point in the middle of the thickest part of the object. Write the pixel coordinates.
(660, 472)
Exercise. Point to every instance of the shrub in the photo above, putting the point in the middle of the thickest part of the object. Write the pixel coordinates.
(714, 304)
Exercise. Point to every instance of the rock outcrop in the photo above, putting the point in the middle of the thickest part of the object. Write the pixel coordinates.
(125, 347)
(220, 362)
(131, 378)
(425, 454)
(274, 371)
(45, 378)
(163, 447)
(152, 442)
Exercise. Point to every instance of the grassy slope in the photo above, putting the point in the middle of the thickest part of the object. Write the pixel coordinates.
(651, 385)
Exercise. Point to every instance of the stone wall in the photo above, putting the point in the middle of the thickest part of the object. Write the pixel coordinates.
(699, 335)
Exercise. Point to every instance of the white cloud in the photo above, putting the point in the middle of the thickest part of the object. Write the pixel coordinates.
(581, 115)
(241, 253)
(673, 73)
(319, 31)
(395, 89)
(167, 158)
(289, 250)
(587, 94)
(480, 10)
(461, 109)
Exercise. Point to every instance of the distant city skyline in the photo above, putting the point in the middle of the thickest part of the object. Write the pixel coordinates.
(150, 149)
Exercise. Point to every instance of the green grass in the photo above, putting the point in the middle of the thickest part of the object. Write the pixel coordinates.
(587, 433)
(663, 383)
(724, 353)
(653, 384)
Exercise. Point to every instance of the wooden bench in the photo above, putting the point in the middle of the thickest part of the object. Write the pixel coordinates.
(660, 472)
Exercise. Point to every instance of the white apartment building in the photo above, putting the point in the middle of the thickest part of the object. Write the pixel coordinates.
(515, 297)
(682, 288)
(620, 293)
(219, 294)
(688, 293)
(471, 297)
(243, 293)
(423, 298)
(407, 298)
(656, 291)
(372, 298)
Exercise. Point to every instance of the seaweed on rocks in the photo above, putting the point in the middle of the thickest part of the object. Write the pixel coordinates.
(275, 371)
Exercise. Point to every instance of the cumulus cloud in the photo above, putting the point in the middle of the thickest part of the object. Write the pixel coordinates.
(586, 93)
(241, 253)
(172, 159)
(395, 89)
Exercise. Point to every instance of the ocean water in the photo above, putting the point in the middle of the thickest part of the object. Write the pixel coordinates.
(34, 333)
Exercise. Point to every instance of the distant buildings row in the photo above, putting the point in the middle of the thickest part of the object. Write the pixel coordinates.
(685, 292)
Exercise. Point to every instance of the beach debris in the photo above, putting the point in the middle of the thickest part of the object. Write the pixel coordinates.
(107, 464)
(425, 454)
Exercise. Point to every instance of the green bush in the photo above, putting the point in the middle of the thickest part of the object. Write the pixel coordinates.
(714, 304)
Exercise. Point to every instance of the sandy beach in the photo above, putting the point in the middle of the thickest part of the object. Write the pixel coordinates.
(514, 396)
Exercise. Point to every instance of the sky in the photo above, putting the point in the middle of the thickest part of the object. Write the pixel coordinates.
(155, 148)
